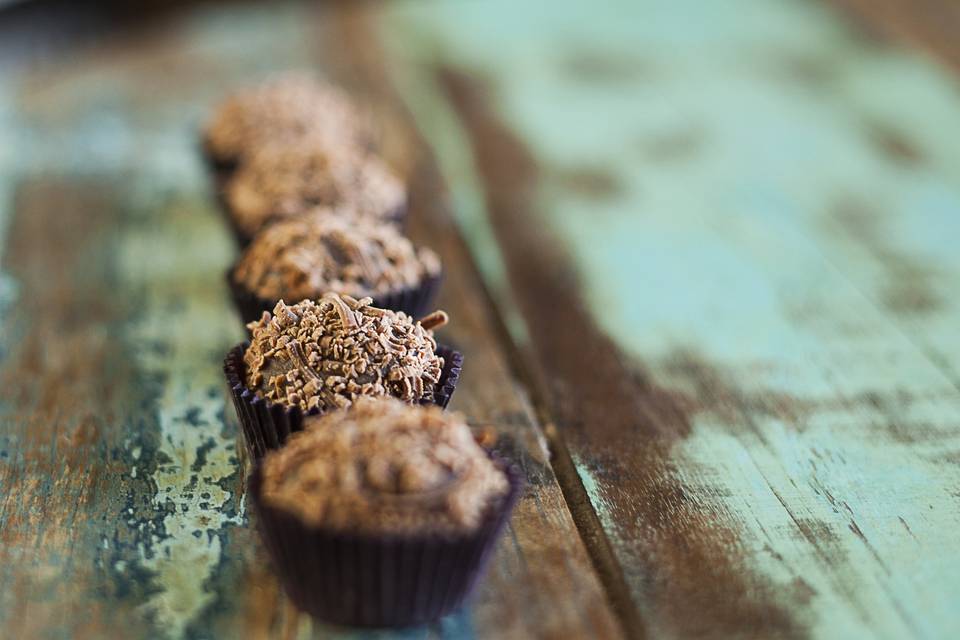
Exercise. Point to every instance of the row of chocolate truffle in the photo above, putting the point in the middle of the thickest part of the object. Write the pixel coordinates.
(293, 133)
(359, 482)
(310, 201)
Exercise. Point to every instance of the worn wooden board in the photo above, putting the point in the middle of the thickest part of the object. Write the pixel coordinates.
(728, 229)
(121, 492)
(708, 248)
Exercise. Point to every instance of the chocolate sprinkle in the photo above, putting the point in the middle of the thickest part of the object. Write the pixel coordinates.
(330, 250)
(328, 353)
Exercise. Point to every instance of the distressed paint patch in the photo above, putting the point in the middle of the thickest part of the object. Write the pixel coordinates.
(671, 146)
(909, 285)
(894, 143)
(587, 64)
(186, 311)
(588, 182)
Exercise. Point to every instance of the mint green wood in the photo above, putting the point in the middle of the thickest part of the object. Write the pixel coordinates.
(781, 207)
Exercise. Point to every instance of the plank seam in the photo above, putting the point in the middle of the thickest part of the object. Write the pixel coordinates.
(575, 496)
(520, 366)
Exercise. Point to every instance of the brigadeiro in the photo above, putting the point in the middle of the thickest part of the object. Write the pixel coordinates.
(284, 181)
(383, 514)
(284, 108)
(332, 250)
(317, 356)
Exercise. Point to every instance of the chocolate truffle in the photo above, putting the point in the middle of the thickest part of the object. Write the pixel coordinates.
(382, 514)
(384, 467)
(328, 251)
(284, 181)
(328, 353)
(284, 108)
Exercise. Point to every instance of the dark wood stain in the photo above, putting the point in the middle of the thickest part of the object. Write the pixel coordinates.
(597, 66)
(811, 71)
(927, 24)
(711, 392)
(893, 143)
(823, 537)
(683, 566)
(672, 146)
(589, 181)
(909, 287)
(714, 393)
(907, 527)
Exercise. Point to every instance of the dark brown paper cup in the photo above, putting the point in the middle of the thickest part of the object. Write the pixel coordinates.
(414, 301)
(220, 173)
(220, 168)
(379, 581)
(266, 425)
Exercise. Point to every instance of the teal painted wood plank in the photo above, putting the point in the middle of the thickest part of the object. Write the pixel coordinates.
(757, 206)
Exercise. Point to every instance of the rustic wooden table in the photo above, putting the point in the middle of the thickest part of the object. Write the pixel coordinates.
(702, 262)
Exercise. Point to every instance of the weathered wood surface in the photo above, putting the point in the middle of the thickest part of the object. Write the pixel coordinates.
(730, 231)
(708, 247)
(122, 511)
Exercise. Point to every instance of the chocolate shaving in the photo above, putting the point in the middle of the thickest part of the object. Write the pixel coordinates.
(328, 353)
(434, 320)
(347, 319)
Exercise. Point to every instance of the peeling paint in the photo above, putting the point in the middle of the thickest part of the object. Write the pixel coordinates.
(181, 560)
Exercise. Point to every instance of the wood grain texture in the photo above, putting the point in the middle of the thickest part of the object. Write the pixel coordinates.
(122, 502)
(728, 239)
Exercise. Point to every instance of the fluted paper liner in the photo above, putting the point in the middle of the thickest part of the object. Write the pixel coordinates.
(379, 581)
